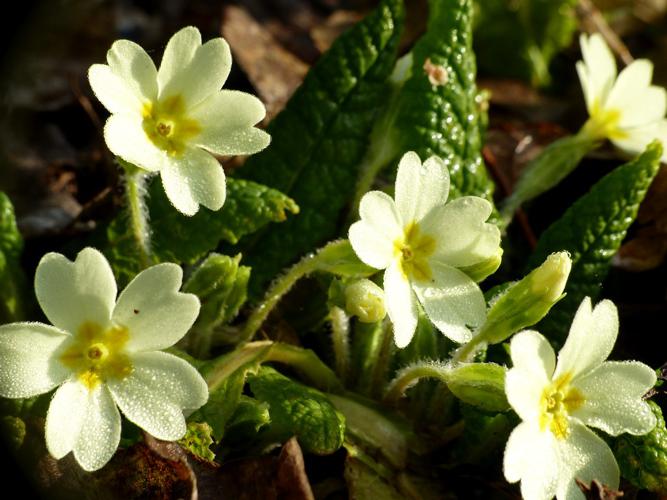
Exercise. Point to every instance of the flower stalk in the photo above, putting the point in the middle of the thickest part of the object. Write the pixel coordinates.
(135, 195)
(340, 337)
(336, 257)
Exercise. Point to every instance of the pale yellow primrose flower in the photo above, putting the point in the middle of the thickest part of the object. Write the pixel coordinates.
(421, 242)
(557, 401)
(626, 109)
(104, 355)
(170, 120)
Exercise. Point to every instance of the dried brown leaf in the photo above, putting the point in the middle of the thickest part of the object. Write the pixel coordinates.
(266, 477)
(272, 70)
(324, 34)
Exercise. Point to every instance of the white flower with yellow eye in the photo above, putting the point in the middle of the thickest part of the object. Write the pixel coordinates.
(104, 355)
(170, 120)
(624, 108)
(422, 243)
(558, 400)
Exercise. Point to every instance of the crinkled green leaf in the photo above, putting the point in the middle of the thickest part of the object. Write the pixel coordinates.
(12, 280)
(198, 438)
(249, 207)
(592, 230)
(226, 378)
(299, 410)
(319, 139)
(176, 238)
(221, 285)
(12, 429)
(643, 459)
(248, 419)
(444, 120)
(222, 402)
(519, 38)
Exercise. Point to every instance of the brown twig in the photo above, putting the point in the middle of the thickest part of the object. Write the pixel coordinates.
(593, 21)
(87, 106)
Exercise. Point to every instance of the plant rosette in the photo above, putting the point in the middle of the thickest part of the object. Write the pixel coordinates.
(422, 242)
(103, 354)
(174, 119)
(558, 401)
(623, 107)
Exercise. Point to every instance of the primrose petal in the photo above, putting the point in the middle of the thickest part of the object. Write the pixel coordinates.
(422, 241)
(107, 357)
(557, 405)
(171, 119)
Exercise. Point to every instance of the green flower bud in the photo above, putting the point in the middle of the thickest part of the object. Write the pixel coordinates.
(527, 301)
(365, 299)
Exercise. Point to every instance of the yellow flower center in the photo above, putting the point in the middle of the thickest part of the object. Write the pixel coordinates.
(167, 125)
(558, 400)
(97, 354)
(413, 249)
(603, 124)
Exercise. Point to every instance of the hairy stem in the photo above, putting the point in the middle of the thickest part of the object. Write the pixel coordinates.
(383, 359)
(466, 352)
(410, 375)
(135, 194)
(333, 257)
(277, 291)
(302, 360)
(340, 336)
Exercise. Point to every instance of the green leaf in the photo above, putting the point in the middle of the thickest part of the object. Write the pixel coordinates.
(180, 239)
(249, 207)
(592, 230)
(299, 410)
(365, 346)
(250, 416)
(373, 426)
(222, 402)
(339, 258)
(550, 26)
(444, 120)
(197, 440)
(479, 384)
(226, 378)
(11, 242)
(319, 139)
(643, 459)
(221, 285)
(544, 172)
(12, 431)
(518, 39)
(12, 280)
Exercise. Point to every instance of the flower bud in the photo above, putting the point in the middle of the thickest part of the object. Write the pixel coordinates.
(365, 299)
(529, 300)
